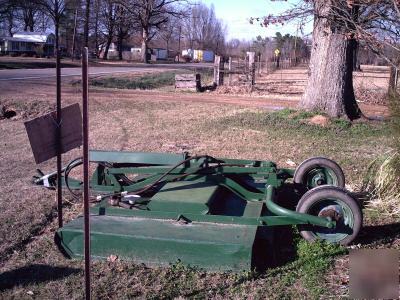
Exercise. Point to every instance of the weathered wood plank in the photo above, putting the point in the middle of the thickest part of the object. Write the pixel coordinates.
(186, 84)
(186, 77)
(188, 81)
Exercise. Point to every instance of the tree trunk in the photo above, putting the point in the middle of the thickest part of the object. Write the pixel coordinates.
(393, 79)
(330, 84)
(145, 38)
(109, 40)
(96, 28)
(119, 43)
(10, 24)
(86, 27)
(356, 64)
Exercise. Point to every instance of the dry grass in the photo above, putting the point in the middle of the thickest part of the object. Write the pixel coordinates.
(32, 267)
(384, 185)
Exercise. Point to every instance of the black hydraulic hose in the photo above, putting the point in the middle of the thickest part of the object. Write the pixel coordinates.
(71, 165)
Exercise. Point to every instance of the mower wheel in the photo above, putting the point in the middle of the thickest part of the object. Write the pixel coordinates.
(335, 204)
(318, 171)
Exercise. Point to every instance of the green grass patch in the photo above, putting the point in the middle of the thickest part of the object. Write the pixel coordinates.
(309, 268)
(297, 121)
(14, 65)
(314, 260)
(288, 134)
(147, 82)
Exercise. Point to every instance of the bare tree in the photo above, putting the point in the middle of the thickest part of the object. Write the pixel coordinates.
(7, 15)
(28, 12)
(338, 26)
(170, 31)
(125, 25)
(108, 18)
(203, 29)
(151, 16)
(96, 12)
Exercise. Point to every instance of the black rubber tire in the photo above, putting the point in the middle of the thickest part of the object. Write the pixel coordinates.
(325, 192)
(301, 171)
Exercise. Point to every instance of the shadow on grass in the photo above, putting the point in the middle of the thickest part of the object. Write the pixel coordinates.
(378, 234)
(34, 274)
(206, 88)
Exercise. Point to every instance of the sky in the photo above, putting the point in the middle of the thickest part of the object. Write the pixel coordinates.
(236, 14)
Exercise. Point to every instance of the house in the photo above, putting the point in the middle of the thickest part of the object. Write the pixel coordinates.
(134, 53)
(29, 43)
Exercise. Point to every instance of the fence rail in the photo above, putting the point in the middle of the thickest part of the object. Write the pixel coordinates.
(244, 71)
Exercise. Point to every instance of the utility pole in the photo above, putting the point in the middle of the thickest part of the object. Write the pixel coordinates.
(74, 35)
(86, 29)
(179, 42)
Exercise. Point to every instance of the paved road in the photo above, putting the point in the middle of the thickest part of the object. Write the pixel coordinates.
(24, 74)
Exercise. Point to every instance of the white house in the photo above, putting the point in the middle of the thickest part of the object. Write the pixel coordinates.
(28, 42)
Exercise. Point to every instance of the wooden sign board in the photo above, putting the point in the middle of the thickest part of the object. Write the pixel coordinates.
(42, 133)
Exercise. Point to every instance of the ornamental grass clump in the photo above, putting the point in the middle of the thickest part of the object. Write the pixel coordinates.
(383, 180)
(384, 185)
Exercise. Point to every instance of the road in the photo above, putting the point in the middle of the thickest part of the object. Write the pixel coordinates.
(24, 74)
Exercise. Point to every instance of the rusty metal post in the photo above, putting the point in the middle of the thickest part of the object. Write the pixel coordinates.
(59, 119)
(85, 129)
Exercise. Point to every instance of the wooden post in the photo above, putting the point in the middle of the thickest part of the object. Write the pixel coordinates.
(278, 58)
(252, 67)
(259, 64)
(230, 70)
(216, 63)
(218, 70)
(393, 79)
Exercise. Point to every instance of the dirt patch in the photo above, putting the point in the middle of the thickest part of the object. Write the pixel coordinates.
(16, 110)
(233, 90)
(319, 120)
(6, 113)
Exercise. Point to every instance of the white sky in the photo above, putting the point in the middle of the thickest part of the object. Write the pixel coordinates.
(236, 14)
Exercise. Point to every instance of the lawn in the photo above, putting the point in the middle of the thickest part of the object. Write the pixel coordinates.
(32, 267)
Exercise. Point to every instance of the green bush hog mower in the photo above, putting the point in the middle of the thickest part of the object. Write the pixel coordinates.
(213, 213)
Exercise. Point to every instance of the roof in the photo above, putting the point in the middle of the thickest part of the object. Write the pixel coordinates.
(33, 37)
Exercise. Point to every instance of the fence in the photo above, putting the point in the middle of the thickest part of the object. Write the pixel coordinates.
(244, 71)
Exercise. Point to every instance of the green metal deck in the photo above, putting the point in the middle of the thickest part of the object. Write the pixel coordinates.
(211, 246)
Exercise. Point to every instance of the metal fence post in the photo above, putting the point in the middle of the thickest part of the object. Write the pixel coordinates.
(85, 129)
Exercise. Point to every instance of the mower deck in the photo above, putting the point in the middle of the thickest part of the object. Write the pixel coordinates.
(158, 209)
